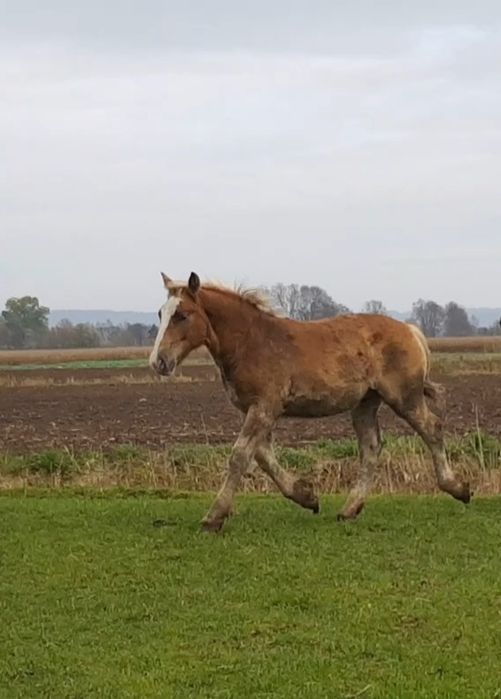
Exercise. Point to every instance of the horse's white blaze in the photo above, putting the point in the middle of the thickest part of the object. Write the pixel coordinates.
(166, 313)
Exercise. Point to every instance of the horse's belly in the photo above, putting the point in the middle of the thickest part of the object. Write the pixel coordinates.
(322, 400)
(314, 407)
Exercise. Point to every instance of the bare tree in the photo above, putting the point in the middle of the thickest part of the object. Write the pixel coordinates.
(376, 307)
(287, 298)
(429, 315)
(456, 321)
(315, 303)
(305, 302)
(138, 332)
(66, 335)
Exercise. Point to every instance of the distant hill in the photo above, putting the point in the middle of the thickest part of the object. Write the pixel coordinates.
(400, 315)
(485, 316)
(102, 316)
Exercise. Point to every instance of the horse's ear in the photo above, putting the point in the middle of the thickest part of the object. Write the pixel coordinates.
(166, 280)
(194, 283)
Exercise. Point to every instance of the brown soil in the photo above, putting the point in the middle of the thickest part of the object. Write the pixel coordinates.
(196, 372)
(34, 418)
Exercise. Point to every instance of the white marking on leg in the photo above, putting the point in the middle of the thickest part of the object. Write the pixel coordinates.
(166, 313)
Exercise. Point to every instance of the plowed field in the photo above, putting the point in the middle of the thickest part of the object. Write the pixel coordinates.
(156, 414)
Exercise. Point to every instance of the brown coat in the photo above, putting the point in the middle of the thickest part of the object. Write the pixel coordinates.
(273, 366)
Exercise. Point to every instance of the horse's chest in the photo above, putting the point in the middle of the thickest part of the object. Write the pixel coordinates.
(232, 394)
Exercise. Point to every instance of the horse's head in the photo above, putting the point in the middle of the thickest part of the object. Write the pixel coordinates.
(183, 325)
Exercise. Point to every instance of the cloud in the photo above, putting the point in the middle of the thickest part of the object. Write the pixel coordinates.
(314, 163)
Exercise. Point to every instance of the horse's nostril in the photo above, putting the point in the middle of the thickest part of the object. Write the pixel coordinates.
(161, 364)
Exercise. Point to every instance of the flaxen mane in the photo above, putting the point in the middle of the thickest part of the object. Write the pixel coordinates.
(257, 298)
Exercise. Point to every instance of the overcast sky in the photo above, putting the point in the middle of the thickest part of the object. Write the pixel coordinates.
(354, 145)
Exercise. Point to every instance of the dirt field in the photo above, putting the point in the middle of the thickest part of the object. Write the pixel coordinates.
(33, 418)
(34, 377)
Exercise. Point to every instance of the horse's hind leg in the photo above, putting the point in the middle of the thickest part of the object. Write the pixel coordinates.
(366, 426)
(429, 427)
(299, 490)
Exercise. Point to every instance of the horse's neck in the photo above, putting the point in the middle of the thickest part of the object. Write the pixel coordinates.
(229, 318)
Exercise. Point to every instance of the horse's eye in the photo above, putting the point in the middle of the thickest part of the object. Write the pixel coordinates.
(160, 315)
(179, 316)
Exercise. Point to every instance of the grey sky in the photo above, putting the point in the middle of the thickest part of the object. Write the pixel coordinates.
(353, 145)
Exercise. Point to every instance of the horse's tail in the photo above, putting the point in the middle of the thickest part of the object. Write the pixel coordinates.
(432, 390)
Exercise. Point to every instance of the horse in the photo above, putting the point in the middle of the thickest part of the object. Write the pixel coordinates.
(273, 366)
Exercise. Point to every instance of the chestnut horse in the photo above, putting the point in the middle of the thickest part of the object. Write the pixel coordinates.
(273, 366)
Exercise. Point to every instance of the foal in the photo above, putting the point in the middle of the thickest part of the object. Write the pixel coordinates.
(273, 366)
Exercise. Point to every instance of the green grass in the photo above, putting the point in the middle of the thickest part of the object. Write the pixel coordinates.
(95, 601)
(89, 364)
(466, 362)
(443, 362)
(405, 465)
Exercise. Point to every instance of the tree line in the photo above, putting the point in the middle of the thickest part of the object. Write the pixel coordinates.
(313, 303)
(24, 323)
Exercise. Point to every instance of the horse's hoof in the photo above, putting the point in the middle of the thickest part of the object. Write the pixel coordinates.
(163, 523)
(345, 518)
(351, 513)
(466, 494)
(305, 496)
(212, 526)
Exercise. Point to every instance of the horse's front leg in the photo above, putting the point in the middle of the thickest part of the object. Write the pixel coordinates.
(255, 428)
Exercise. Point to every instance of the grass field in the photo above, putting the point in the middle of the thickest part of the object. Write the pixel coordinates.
(103, 356)
(60, 356)
(109, 590)
(109, 356)
(465, 344)
(450, 362)
(453, 363)
(97, 602)
(466, 363)
(79, 364)
(405, 466)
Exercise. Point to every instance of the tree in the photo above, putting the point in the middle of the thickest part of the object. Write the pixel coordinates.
(4, 334)
(286, 298)
(456, 321)
(375, 307)
(68, 336)
(315, 303)
(25, 320)
(86, 335)
(305, 302)
(138, 333)
(429, 316)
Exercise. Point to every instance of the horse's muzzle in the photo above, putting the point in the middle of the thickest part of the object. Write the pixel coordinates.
(164, 367)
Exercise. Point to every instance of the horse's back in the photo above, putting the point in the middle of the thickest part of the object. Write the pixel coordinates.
(359, 334)
(340, 359)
